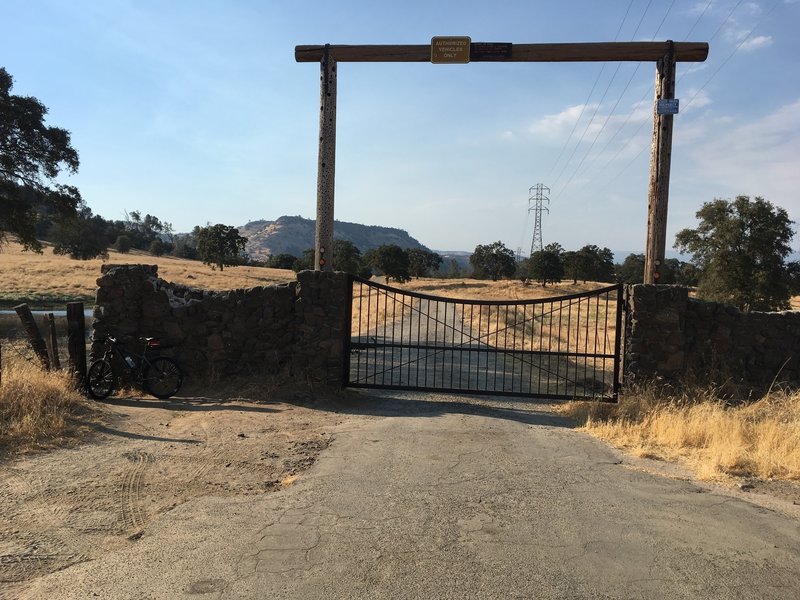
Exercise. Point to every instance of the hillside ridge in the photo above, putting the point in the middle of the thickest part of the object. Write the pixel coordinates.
(294, 234)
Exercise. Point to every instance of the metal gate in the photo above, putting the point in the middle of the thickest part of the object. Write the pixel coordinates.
(564, 347)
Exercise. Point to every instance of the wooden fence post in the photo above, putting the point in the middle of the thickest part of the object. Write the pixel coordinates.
(52, 339)
(34, 337)
(76, 341)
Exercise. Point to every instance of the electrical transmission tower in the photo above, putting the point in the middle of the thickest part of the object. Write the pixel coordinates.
(536, 200)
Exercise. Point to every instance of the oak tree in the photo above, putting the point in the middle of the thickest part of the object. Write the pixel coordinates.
(740, 248)
(493, 261)
(32, 155)
(220, 245)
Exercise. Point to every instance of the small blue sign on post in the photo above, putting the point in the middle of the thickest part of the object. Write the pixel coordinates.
(667, 106)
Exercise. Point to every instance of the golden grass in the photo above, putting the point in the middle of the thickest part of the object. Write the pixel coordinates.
(29, 275)
(374, 309)
(508, 289)
(716, 439)
(37, 407)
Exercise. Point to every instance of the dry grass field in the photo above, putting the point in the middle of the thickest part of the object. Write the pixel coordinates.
(37, 407)
(46, 279)
(717, 439)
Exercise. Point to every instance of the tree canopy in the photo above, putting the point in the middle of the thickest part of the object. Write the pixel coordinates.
(391, 260)
(493, 261)
(422, 262)
(346, 257)
(220, 245)
(81, 236)
(546, 266)
(32, 155)
(740, 248)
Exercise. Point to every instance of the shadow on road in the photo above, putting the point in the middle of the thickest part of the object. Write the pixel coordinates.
(396, 404)
(191, 403)
(141, 436)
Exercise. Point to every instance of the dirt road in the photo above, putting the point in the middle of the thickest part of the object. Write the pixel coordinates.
(414, 497)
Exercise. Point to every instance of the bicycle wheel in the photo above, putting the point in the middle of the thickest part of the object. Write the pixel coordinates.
(100, 379)
(162, 377)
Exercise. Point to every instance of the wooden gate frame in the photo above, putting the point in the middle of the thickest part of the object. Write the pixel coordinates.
(664, 54)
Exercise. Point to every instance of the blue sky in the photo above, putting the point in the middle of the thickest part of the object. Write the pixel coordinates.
(196, 111)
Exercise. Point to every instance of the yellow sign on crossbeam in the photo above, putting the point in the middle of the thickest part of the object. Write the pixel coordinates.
(450, 49)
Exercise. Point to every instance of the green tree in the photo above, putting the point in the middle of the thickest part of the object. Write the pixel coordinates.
(281, 261)
(391, 260)
(122, 244)
(305, 262)
(493, 261)
(597, 264)
(185, 245)
(676, 271)
(546, 266)
(631, 270)
(220, 245)
(422, 262)
(157, 247)
(576, 265)
(32, 155)
(346, 257)
(453, 269)
(740, 248)
(81, 236)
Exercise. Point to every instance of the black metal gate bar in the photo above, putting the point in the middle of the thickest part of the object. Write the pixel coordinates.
(536, 348)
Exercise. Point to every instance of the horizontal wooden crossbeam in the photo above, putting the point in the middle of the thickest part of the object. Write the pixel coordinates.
(578, 52)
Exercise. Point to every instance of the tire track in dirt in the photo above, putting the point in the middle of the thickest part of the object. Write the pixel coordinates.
(130, 494)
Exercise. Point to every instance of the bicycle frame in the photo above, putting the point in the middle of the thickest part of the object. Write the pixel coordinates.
(115, 347)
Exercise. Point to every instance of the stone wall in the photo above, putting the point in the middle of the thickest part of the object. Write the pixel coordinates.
(671, 335)
(297, 326)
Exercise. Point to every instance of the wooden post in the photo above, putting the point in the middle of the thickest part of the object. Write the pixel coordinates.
(52, 342)
(326, 166)
(76, 341)
(34, 337)
(569, 52)
(660, 161)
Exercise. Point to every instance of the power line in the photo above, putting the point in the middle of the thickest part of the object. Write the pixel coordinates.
(594, 85)
(730, 56)
(616, 104)
(691, 29)
(589, 124)
(714, 74)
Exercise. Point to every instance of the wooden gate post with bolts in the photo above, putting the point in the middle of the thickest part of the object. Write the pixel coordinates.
(666, 54)
(660, 162)
(326, 164)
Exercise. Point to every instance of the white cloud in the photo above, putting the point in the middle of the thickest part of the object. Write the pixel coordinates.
(561, 124)
(752, 8)
(694, 99)
(760, 41)
(758, 157)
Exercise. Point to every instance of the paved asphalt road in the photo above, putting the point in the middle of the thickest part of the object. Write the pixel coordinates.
(449, 499)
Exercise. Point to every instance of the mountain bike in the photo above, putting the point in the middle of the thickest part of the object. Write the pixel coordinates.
(156, 375)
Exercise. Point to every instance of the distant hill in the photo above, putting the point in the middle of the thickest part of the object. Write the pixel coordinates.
(292, 235)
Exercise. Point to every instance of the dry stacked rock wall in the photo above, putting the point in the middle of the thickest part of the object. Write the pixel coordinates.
(296, 326)
(671, 335)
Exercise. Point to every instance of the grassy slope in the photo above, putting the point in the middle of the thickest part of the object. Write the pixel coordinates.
(50, 279)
